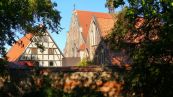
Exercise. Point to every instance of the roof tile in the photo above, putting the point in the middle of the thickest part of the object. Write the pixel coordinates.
(84, 18)
(105, 25)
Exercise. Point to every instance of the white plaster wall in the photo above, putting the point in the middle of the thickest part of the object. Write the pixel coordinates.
(45, 57)
(51, 57)
(51, 45)
(27, 51)
(32, 45)
(57, 56)
(45, 44)
(50, 40)
(39, 51)
(44, 60)
(57, 51)
(45, 64)
(40, 57)
(45, 51)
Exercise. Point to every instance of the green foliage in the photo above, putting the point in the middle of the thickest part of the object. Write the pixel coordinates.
(114, 3)
(115, 38)
(3, 64)
(23, 16)
(83, 62)
(151, 75)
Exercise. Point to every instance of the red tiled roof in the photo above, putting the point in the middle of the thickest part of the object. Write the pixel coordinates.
(105, 25)
(18, 48)
(84, 18)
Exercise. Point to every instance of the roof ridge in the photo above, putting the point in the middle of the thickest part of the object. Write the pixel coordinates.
(92, 11)
(105, 17)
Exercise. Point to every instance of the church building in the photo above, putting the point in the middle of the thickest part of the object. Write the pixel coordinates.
(87, 30)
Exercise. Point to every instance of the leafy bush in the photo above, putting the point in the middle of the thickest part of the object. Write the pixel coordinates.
(83, 63)
(3, 64)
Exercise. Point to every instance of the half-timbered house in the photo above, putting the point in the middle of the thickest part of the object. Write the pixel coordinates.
(25, 51)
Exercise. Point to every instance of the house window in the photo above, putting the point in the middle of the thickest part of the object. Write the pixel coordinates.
(51, 63)
(51, 51)
(34, 51)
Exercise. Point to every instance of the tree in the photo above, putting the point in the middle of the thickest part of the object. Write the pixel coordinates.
(149, 45)
(3, 71)
(23, 16)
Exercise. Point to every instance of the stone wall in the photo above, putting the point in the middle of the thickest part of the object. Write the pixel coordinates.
(106, 82)
(109, 84)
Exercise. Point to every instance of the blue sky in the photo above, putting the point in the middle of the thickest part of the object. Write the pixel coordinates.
(66, 8)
